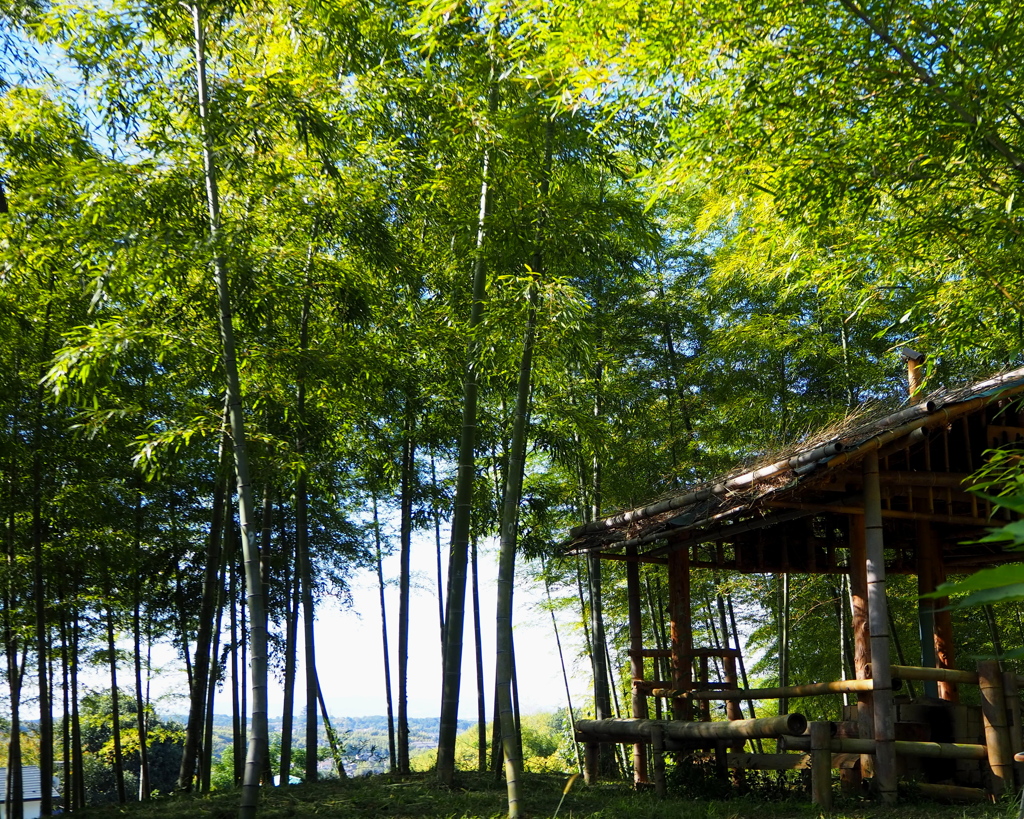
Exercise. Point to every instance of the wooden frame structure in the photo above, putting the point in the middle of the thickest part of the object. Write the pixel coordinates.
(887, 496)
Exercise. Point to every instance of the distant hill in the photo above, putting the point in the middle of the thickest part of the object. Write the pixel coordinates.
(365, 738)
(424, 725)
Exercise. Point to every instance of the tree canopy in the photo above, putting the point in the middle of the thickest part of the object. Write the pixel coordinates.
(352, 245)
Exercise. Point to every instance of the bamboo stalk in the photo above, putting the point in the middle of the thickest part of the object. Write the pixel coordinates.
(997, 735)
(881, 696)
(931, 750)
(640, 729)
(806, 690)
(953, 675)
(636, 662)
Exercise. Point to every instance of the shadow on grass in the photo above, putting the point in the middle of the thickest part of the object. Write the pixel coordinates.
(478, 796)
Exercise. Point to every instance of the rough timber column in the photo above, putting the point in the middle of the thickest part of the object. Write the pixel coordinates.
(926, 557)
(861, 634)
(878, 621)
(681, 627)
(636, 660)
(944, 654)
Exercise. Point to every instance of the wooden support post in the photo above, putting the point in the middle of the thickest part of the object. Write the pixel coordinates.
(636, 662)
(821, 765)
(878, 621)
(733, 708)
(658, 747)
(861, 641)
(722, 760)
(926, 558)
(1011, 689)
(734, 711)
(591, 762)
(681, 628)
(997, 735)
(704, 706)
(945, 656)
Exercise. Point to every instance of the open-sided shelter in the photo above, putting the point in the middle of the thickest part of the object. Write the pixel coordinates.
(886, 496)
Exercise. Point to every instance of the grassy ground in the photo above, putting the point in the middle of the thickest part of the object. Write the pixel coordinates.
(479, 797)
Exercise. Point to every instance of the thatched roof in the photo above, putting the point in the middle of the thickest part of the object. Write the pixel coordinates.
(746, 492)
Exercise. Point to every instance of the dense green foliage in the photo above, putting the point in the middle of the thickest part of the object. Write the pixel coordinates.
(721, 218)
(479, 797)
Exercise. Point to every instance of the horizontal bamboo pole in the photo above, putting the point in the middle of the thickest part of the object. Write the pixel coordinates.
(693, 652)
(957, 793)
(953, 675)
(640, 730)
(807, 690)
(935, 750)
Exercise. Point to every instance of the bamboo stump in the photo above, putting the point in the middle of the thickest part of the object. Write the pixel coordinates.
(591, 762)
(821, 765)
(1011, 688)
(997, 734)
(658, 749)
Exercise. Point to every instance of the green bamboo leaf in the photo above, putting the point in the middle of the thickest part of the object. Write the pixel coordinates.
(986, 579)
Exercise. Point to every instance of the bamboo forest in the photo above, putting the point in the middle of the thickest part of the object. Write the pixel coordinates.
(701, 323)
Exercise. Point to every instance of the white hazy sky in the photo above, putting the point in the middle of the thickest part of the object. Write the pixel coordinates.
(350, 656)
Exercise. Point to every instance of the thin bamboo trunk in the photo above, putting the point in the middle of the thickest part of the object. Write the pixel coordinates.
(206, 766)
(459, 554)
(885, 754)
(237, 714)
(437, 545)
(510, 736)
(13, 796)
(308, 636)
(332, 737)
(784, 640)
(197, 693)
(294, 595)
(258, 745)
(141, 711)
(115, 709)
(303, 560)
(405, 554)
(77, 758)
(39, 586)
(561, 660)
(141, 715)
(392, 752)
(481, 703)
(65, 661)
(639, 708)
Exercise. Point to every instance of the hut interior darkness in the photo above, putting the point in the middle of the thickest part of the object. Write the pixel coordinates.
(888, 496)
